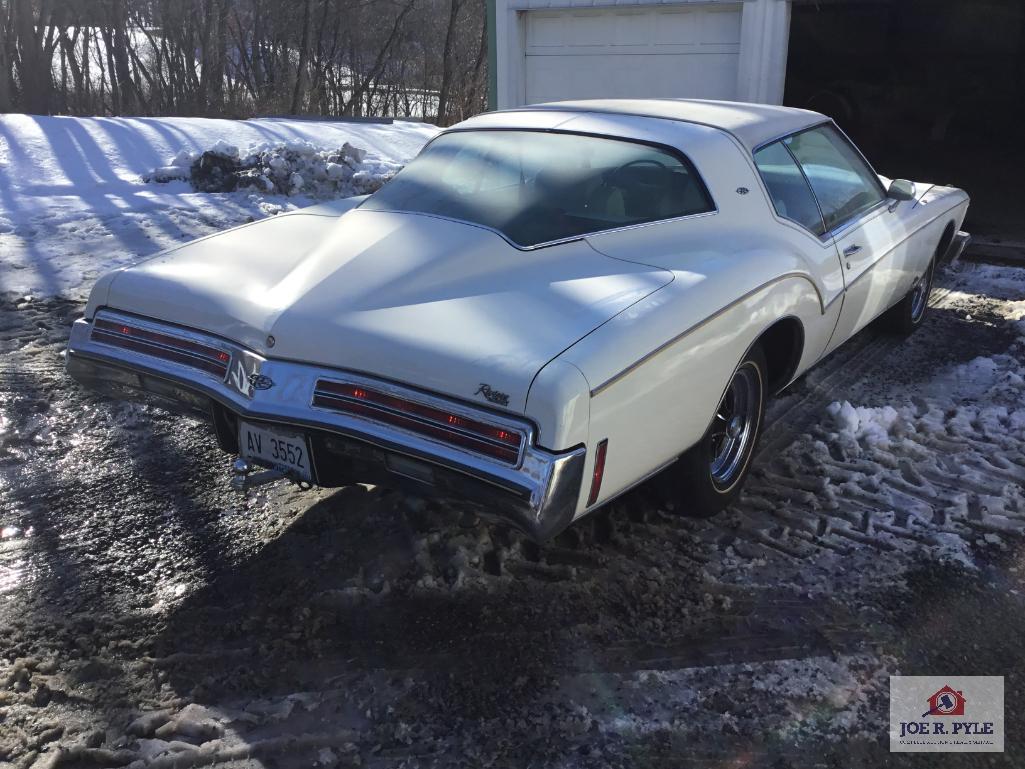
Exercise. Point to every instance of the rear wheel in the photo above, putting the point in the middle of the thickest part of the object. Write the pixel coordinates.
(708, 477)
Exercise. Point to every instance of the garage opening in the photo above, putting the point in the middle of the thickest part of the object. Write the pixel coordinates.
(640, 52)
(931, 90)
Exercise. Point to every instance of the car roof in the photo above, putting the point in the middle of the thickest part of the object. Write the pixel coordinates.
(751, 124)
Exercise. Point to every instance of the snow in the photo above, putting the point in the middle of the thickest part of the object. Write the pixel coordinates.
(74, 200)
(873, 426)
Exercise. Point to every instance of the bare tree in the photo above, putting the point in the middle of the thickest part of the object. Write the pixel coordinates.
(244, 57)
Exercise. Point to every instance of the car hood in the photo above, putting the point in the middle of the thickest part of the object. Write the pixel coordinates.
(438, 304)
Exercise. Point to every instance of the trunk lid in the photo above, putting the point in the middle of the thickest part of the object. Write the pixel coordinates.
(440, 305)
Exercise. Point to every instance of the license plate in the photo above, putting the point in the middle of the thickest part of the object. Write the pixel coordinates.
(282, 450)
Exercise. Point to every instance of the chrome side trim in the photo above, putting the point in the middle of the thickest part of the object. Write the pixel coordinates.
(700, 324)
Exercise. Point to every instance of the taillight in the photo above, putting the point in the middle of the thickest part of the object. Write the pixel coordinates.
(599, 471)
(161, 345)
(440, 424)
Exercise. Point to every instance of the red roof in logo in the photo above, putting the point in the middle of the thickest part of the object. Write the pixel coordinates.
(946, 702)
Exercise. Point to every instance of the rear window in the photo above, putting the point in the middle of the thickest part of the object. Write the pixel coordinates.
(536, 187)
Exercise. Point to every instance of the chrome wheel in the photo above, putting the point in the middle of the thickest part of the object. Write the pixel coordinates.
(920, 295)
(735, 425)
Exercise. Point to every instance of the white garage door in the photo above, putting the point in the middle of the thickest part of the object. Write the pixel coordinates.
(681, 51)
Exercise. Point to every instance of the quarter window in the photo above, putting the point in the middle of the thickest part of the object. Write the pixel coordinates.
(843, 183)
(789, 190)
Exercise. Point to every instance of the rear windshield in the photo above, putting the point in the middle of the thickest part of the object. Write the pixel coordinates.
(536, 187)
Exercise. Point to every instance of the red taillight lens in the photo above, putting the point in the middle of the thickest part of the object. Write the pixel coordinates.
(599, 471)
(162, 345)
(429, 421)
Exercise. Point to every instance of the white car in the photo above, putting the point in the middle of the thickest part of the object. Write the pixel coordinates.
(547, 307)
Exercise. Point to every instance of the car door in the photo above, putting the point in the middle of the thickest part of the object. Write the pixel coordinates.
(869, 237)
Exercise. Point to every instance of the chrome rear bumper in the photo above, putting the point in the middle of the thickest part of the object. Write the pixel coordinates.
(538, 493)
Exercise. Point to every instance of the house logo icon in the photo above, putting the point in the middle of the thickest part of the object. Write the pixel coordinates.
(946, 702)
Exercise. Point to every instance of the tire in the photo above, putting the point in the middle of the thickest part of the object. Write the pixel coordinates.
(709, 476)
(907, 315)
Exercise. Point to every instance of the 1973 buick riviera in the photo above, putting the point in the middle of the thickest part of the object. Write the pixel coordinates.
(546, 307)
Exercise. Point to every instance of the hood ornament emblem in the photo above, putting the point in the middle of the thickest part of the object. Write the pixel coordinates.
(492, 395)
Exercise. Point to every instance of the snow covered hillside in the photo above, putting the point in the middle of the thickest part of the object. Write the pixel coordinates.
(74, 203)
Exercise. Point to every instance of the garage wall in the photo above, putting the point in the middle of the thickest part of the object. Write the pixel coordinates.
(546, 50)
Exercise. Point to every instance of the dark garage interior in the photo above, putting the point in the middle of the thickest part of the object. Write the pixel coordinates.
(931, 90)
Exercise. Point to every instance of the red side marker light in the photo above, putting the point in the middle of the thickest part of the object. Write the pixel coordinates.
(599, 471)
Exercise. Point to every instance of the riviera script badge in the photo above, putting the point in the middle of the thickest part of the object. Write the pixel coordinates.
(492, 395)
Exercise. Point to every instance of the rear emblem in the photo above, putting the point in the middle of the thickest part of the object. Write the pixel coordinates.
(260, 381)
(494, 396)
(246, 381)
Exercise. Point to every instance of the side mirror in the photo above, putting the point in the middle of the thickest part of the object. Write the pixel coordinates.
(901, 189)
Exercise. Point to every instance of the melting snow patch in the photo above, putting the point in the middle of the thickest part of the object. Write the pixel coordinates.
(870, 426)
(952, 548)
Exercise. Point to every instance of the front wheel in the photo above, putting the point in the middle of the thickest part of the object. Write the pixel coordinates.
(908, 314)
(708, 477)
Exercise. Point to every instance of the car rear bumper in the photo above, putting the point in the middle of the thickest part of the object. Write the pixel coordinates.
(538, 493)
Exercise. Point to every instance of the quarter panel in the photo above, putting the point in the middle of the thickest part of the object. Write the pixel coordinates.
(559, 404)
(663, 406)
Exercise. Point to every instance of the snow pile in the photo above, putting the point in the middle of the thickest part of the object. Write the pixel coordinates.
(74, 202)
(293, 168)
(870, 426)
(985, 395)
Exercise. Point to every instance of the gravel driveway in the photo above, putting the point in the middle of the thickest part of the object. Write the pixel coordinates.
(150, 616)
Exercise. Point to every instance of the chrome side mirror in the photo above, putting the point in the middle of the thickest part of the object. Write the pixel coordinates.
(901, 189)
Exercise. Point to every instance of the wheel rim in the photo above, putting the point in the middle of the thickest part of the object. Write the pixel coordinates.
(734, 426)
(920, 295)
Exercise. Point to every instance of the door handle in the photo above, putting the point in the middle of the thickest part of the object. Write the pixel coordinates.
(851, 250)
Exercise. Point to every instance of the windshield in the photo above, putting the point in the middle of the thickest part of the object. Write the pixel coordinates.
(536, 187)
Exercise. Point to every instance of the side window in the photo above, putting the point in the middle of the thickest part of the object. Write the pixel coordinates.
(843, 183)
(788, 188)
